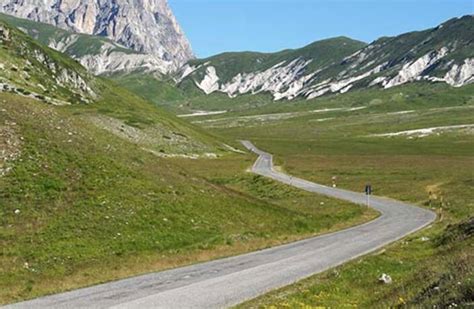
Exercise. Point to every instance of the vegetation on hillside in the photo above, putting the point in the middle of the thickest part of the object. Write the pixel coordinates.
(89, 194)
(322, 53)
(81, 44)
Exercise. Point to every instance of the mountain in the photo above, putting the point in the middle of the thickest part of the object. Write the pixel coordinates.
(99, 55)
(442, 54)
(30, 70)
(146, 27)
(284, 74)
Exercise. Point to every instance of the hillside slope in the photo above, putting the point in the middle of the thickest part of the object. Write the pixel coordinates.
(284, 74)
(442, 54)
(29, 69)
(34, 71)
(98, 54)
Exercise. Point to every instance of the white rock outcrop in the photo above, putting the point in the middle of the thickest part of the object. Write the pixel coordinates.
(283, 80)
(210, 83)
(459, 75)
(411, 71)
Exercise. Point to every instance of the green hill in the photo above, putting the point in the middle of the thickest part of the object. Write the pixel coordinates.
(441, 54)
(321, 53)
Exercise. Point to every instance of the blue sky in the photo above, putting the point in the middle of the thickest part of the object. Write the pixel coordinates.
(215, 26)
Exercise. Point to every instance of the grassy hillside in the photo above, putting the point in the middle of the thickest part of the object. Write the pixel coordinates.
(340, 65)
(322, 53)
(158, 90)
(187, 97)
(32, 70)
(336, 136)
(80, 205)
(35, 71)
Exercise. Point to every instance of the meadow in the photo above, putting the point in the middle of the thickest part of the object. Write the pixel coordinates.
(434, 170)
(82, 205)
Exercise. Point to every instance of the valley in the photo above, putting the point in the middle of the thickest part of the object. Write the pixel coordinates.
(121, 156)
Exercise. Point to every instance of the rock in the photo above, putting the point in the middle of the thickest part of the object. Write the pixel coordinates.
(411, 71)
(459, 75)
(386, 279)
(283, 80)
(145, 26)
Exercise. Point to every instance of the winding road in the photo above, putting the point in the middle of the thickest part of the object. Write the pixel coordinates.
(230, 281)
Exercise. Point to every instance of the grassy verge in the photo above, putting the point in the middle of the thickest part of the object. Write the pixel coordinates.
(426, 272)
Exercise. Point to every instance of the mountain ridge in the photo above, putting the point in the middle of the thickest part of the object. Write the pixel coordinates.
(331, 66)
(441, 54)
(145, 26)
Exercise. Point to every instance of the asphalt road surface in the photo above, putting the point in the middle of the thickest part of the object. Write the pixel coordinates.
(230, 281)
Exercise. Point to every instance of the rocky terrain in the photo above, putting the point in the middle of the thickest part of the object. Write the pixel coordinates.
(30, 70)
(10, 145)
(442, 54)
(157, 139)
(147, 28)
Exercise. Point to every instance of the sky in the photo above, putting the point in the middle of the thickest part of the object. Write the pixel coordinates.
(216, 26)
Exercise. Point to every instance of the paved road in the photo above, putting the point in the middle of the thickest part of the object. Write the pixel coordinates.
(230, 281)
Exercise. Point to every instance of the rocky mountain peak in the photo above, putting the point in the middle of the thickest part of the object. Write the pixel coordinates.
(146, 26)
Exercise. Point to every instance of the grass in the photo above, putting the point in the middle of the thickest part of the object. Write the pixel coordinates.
(83, 45)
(94, 207)
(161, 92)
(433, 171)
(439, 181)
